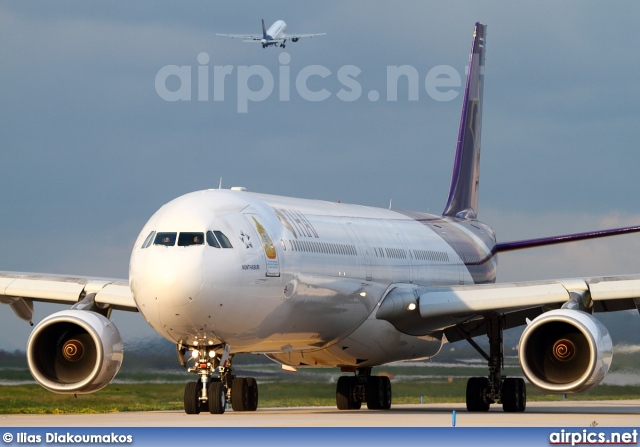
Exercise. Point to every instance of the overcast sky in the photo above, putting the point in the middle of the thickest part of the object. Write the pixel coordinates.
(89, 148)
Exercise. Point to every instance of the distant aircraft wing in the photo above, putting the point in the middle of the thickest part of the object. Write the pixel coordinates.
(20, 290)
(300, 36)
(248, 37)
(460, 311)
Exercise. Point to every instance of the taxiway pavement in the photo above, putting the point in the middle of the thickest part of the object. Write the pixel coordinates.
(624, 413)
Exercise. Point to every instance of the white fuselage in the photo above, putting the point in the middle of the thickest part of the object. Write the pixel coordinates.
(302, 280)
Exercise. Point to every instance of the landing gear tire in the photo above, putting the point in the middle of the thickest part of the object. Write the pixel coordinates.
(386, 385)
(375, 393)
(217, 398)
(378, 393)
(345, 398)
(514, 395)
(253, 394)
(244, 394)
(192, 398)
(476, 394)
(239, 394)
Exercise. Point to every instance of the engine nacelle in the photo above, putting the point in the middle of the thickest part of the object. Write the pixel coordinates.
(74, 351)
(295, 39)
(565, 351)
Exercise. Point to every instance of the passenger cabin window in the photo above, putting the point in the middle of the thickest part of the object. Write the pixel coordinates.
(185, 239)
(166, 239)
(217, 239)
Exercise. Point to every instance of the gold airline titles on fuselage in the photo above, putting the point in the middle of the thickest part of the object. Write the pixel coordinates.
(297, 223)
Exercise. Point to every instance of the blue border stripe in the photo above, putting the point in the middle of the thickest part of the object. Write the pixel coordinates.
(307, 437)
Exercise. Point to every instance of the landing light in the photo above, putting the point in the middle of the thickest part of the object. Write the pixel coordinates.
(363, 294)
(411, 306)
(194, 354)
(212, 354)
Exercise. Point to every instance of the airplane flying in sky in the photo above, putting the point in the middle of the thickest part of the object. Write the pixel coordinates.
(314, 283)
(273, 36)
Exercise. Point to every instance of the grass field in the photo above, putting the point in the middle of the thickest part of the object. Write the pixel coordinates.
(33, 399)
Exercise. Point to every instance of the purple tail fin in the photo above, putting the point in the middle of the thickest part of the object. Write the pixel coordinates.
(264, 30)
(463, 195)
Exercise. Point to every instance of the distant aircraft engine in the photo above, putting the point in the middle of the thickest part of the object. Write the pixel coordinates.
(565, 351)
(74, 351)
(294, 39)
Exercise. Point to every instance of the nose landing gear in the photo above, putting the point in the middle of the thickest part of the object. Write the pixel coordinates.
(217, 385)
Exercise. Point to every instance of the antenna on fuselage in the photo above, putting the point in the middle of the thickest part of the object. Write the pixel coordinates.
(390, 200)
(220, 183)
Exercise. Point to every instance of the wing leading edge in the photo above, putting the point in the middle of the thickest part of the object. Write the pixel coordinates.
(20, 290)
(421, 311)
(249, 37)
(301, 36)
(255, 37)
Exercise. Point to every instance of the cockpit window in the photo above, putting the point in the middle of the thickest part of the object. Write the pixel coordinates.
(211, 239)
(215, 239)
(166, 239)
(224, 242)
(186, 239)
(149, 239)
(218, 239)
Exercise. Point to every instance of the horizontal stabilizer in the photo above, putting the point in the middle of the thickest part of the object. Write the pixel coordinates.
(553, 240)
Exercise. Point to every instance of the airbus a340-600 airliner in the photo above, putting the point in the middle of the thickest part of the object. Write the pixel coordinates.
(313, 283)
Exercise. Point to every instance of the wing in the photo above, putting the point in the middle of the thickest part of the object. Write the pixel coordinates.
(460, 311)
(248, 37)
(20, 290)
(300, 36)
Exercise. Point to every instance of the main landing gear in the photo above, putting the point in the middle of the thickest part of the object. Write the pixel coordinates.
(484, 391)
(212, 393)
(351, 391)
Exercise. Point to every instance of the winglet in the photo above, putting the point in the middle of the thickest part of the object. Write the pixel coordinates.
(264, 30)
(463, 195)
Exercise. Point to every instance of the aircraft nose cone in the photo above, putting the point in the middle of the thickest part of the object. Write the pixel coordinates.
(175, 278)
(167, 282)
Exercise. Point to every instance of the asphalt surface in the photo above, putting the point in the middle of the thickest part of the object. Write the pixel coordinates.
(538, 414)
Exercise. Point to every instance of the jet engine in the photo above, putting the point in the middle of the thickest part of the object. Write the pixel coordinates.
(565, 351)
(294, 39)
(74, 351)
